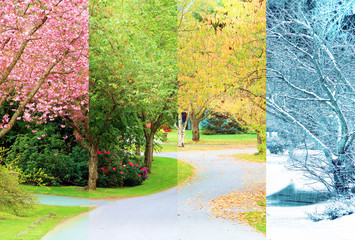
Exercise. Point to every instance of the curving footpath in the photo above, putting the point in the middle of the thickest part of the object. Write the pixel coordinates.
(178, 213)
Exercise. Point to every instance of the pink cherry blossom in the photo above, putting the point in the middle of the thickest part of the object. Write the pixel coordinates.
(44, 61)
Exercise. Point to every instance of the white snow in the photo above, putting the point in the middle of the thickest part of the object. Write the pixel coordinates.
(292, 222)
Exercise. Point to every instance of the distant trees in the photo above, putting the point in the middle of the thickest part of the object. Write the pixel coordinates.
(311, 82)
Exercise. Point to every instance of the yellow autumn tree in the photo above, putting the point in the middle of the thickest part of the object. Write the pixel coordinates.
(222, 61)
(245, 49)
(201, 62)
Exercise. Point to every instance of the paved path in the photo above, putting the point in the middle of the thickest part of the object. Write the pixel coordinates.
(176, 214)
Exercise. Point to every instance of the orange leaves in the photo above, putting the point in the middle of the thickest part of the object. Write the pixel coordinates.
(234, 206)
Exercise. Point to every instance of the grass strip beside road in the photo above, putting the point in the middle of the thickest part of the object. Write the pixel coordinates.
(164, 176)
(36, 223)
(218, 139)
(257, 219)
(251, 158)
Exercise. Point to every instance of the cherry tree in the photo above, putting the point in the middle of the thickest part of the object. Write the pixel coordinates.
(43, 61)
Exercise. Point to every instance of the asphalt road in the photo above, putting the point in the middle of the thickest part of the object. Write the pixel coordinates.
(177, 214)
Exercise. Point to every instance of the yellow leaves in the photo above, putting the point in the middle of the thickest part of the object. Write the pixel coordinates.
(236, 206)
(208, 60)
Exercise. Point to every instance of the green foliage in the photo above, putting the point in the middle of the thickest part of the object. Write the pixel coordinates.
(132, 68)
(120, 169)
(164, 177)
(42, 158)
(13, 197)
(197, 16)
(222, 123)
(208, 132)
(18, 128)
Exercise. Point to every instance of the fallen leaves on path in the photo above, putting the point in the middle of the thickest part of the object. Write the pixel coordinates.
(235, 205)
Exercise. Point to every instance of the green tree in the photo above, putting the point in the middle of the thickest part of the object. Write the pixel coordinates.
(13, 196)
(132, 75)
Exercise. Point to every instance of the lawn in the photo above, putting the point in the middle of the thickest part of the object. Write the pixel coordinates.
(257, 219)
(37, 222)
(164, 176)
(251, 157)
(206, 140)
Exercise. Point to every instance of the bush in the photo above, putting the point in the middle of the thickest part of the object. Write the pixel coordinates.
(208, 132)
(13, 197)
(120, 169)
(45, 152)
(338, 207)
(167, 128)
(222, 124)
(275, 145)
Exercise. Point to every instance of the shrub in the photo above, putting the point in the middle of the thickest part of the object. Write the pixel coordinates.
(222, 124)
(167, 128)
(13, 197)
(120, 169)
(275, 145)
(208, 132)
(338, 207)
(45, 152)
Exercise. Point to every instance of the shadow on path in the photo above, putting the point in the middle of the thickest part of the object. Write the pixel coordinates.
(291, 197)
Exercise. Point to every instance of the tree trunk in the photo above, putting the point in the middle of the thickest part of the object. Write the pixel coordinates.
(181, 133)
(181, 127)
(341, 177)
(93, 162)
(148, 153)
(138, 150)
(195, 129)
(261, 141)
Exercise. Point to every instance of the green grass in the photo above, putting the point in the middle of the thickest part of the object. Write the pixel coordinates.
(11, 226)
(186, 171)
(164, 176)
(252, 157)
(262, 202)
(218, 139)
(257, 219)
(207, 142)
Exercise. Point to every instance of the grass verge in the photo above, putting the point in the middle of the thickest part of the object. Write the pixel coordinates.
(257, 219)
(186, 172)
(37, 222)
(164, 176)
(246, 206)
(218, 139)
(251, 157)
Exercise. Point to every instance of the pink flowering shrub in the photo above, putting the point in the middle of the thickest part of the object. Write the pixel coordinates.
(119, 169)
(167, 128)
